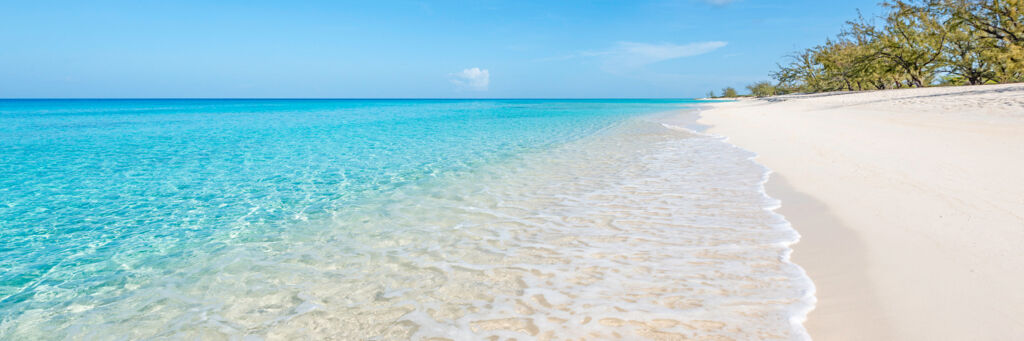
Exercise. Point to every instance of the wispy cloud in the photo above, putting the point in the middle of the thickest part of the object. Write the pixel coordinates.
(627, 57)
(631, 58)
(473, 79)
(633, 55)
(719, 2)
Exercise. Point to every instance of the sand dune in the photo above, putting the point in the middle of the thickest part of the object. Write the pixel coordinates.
(911, 204)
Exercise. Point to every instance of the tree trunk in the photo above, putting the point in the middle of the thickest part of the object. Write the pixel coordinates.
(974, 79)
(916, 81)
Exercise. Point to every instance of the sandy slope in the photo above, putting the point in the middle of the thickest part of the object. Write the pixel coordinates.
(911, 204)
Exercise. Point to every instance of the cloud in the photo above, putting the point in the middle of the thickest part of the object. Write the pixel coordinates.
(719, 2)
(474, 79)
(630, 59)
(631, 55)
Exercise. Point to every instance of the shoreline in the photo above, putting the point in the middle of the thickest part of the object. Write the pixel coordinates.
(815, 250)
(770, 188)
(906, 201)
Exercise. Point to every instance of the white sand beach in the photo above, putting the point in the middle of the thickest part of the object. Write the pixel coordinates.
(910, 203)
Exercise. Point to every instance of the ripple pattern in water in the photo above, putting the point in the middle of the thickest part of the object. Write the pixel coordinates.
(387, 220)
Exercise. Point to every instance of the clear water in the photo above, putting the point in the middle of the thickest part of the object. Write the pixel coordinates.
(359, 219)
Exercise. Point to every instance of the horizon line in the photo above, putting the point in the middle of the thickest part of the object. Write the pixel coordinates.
(337, 98)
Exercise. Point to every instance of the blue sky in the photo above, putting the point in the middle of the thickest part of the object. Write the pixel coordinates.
(399, 49)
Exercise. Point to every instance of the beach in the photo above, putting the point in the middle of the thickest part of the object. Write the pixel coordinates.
(910, 204)
(891, 214)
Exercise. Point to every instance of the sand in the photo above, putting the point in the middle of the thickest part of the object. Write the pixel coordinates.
(910, 203)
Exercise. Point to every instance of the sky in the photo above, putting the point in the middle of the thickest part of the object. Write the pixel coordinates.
(403, 49)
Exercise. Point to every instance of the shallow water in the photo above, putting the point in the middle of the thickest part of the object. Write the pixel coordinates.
(385, 219)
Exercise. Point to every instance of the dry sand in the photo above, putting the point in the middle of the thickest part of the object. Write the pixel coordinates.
(910, 203)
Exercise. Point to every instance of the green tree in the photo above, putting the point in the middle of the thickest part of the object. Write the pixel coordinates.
(729, 92)
(870, 71)
(838, 60)
(998, 23)
(762, 89)
(917, 43)
(912, 40)
(969, 56)
(802, 74)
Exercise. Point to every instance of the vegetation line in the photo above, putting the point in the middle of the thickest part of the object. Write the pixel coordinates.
(919, 43)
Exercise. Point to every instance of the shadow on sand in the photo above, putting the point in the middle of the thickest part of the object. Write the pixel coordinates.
(834, 257)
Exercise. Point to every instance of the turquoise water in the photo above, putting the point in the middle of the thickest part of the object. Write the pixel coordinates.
(100, 199)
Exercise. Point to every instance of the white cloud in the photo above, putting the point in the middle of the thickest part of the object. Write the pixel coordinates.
(632, 58)
(633, 55)
(475, 79)
(718, 2)
(627, 57)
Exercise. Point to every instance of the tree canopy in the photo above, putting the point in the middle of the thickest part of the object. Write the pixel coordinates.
(915, 43)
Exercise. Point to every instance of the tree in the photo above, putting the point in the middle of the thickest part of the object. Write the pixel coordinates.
(729, 92)
(918, 41)
(967, 55)
(762, 89)
(838, 60)
(802, 74)
(998, 19)
(912, 40)
(999, 23)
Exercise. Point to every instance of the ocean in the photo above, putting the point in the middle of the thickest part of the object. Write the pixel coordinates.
(386, 219)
